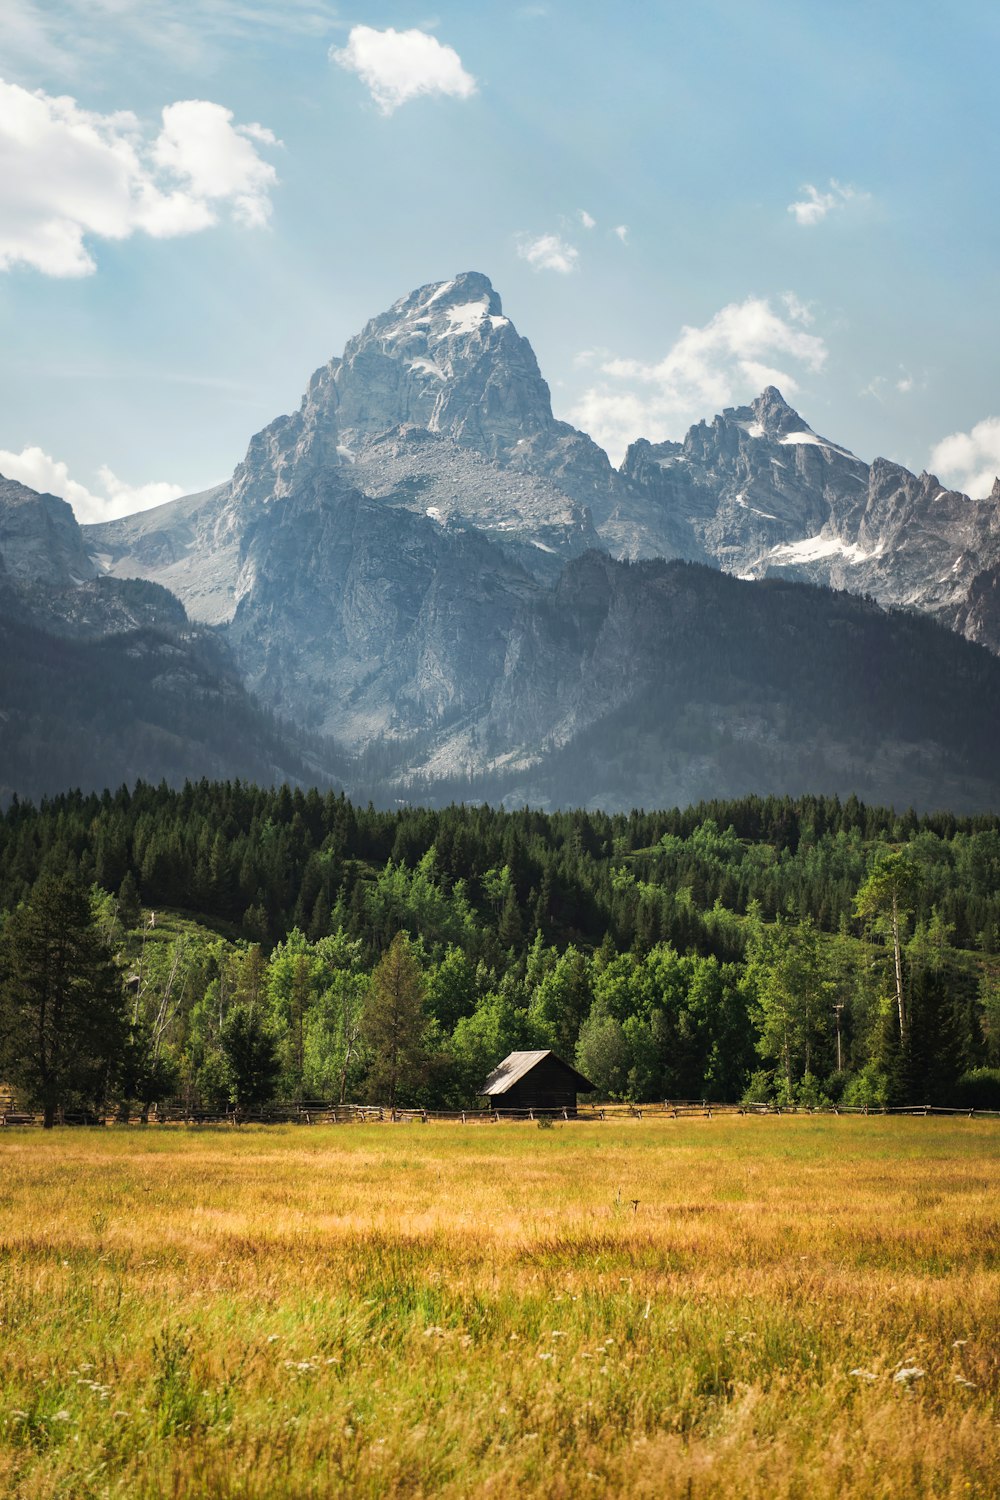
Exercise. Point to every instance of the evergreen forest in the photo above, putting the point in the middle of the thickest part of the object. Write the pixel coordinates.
(224, 946)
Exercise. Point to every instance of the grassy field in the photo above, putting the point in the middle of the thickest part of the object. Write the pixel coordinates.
(692, 1308)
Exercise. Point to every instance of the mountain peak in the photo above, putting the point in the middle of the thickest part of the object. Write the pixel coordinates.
(467, 286)
(467, 304)
(775, 415)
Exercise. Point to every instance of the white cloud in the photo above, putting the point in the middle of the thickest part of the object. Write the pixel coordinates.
(621, 230)
(68, 175)
(402, 65)
(200, 147)
(587, 220)
(51, 476)
(798, 311)
(726, 361)
(814, 207)
(548, 252)
(970, 460)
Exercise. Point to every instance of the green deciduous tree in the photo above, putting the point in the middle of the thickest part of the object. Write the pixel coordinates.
(789, 995)
(886, 898)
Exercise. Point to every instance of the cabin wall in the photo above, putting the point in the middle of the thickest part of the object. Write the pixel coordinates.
(547, 1086)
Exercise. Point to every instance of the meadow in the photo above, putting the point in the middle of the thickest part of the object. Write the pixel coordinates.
(747, 1307)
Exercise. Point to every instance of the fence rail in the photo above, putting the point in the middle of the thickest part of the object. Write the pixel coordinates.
(327, 1112)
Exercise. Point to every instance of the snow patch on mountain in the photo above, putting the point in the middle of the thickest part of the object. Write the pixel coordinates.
(813, 548)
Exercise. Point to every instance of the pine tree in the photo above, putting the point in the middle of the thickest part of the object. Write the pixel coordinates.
(251, 1058)
(395, 1025)
(63, 1027)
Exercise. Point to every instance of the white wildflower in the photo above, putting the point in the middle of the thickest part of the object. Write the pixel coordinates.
(907, 1374)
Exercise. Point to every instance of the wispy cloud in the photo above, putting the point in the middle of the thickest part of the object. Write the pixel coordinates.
(797, 310)
(69, 175)
(548, 252)
(903, 383)
(814, 206)
(72, 34)
(621, 230)
(398, 66)
(39, 471)
(729, 359)
(970, 460)
(587, 220)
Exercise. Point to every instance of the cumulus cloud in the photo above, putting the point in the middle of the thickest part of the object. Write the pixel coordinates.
(548, 252)
(814, 206)
(401, 65)
(970, 460)
(621, 230)
(39, 471)
(587, 220)
(727, 360)
(68, 175)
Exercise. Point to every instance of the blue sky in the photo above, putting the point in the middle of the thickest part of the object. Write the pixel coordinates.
(201, 200)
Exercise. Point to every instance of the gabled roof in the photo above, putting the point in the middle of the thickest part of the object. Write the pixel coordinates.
(518, 1064)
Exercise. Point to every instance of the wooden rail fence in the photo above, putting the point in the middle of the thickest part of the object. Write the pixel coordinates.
(327, 1112)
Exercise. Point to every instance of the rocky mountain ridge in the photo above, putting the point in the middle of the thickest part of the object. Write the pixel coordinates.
(410, 559)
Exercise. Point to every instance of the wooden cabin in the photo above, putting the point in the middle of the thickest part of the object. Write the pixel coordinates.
(537, 1081)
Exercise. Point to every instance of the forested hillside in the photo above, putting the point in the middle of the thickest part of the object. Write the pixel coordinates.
(731, 949)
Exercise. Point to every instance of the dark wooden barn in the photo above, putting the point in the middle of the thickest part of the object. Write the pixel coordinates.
(536, 1081)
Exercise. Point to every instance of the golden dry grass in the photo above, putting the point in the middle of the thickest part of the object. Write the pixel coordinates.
(438, 1310)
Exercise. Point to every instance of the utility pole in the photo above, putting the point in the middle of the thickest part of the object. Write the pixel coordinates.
(840, 1062)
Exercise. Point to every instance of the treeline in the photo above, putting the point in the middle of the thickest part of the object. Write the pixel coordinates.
(770, 948)
(259, 862)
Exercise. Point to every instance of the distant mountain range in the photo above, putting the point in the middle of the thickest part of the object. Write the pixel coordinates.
(421, 583)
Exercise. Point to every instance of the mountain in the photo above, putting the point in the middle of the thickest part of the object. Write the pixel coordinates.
(104, 681)
(40, 539)
(757, 492)
(662, 683)
(370, 551)
(424, 564)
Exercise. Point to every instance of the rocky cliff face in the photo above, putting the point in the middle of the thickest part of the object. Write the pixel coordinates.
(664, 683)
(40, 539)
(367, 620)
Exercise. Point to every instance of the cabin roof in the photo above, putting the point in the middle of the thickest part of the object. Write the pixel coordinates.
(518, 1064)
